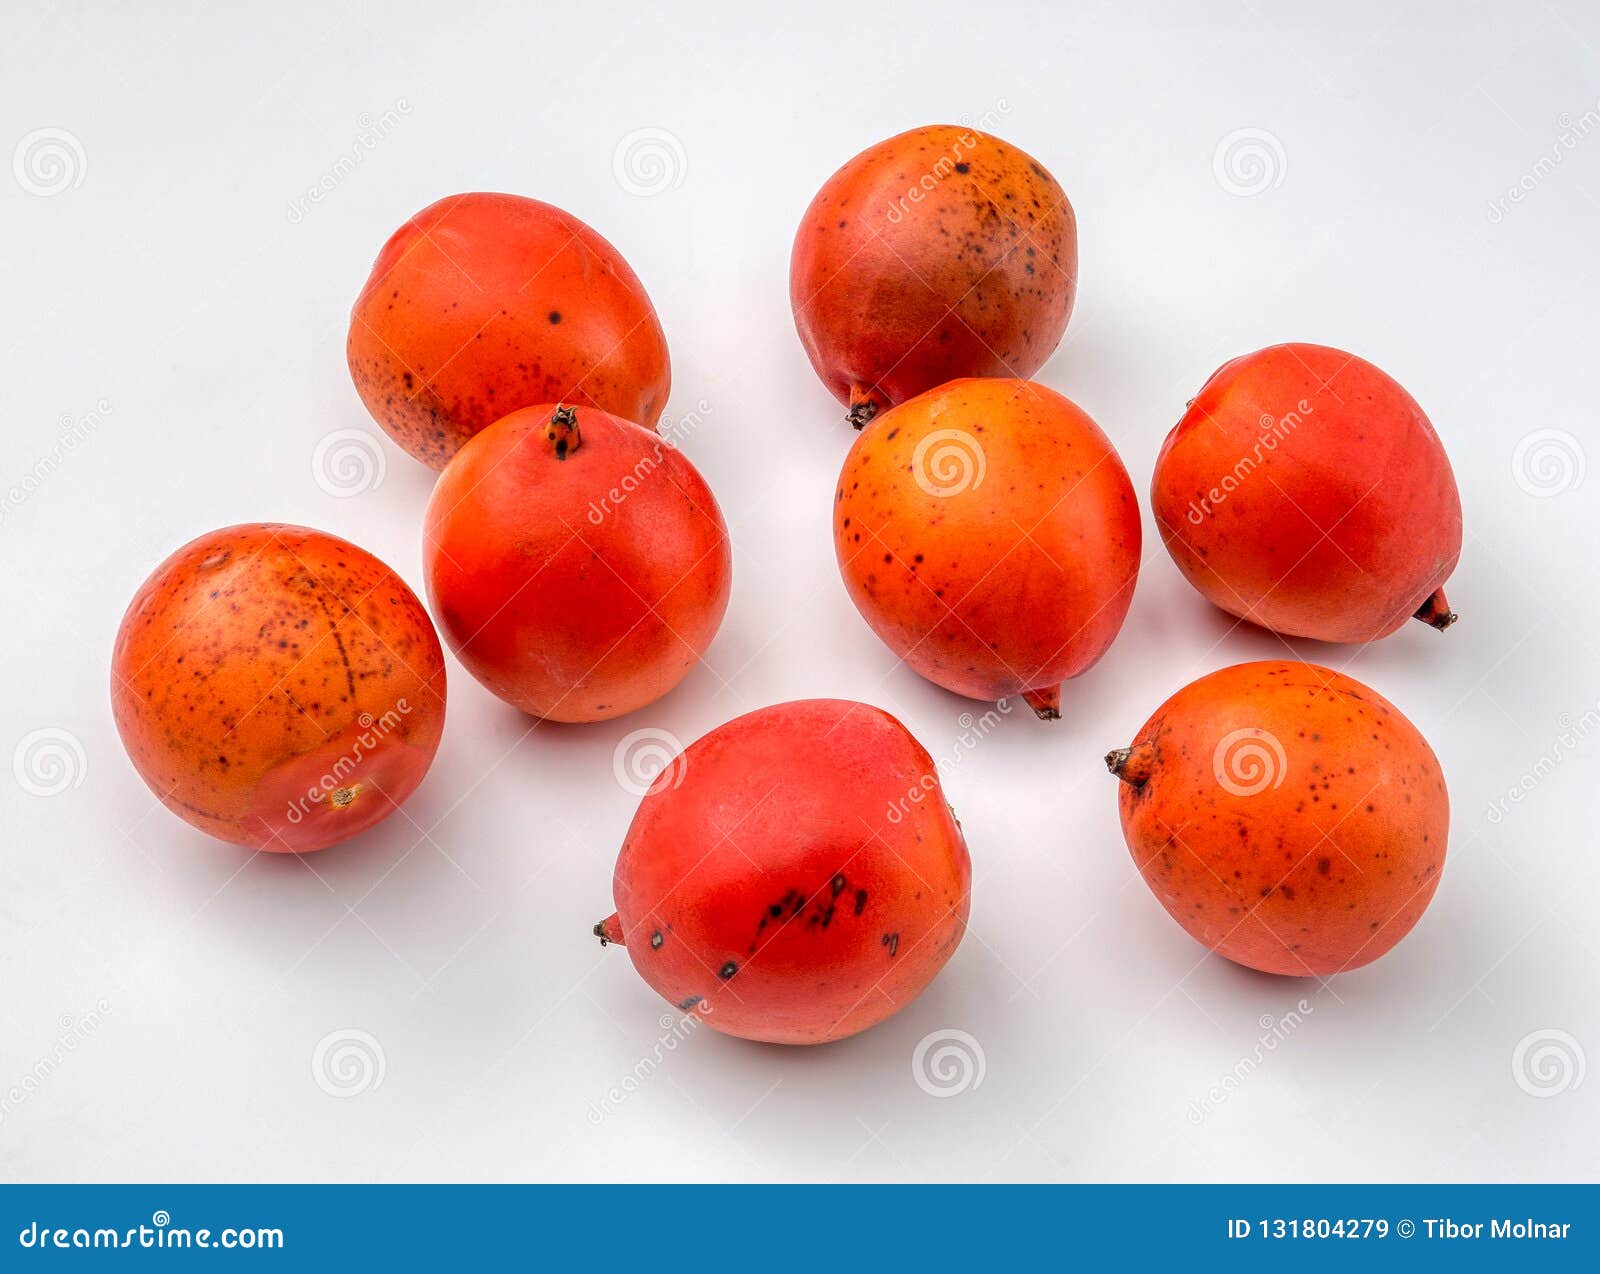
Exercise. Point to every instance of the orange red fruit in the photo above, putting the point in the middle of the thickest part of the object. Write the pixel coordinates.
(795, 876)
(941, 253)
(482, 304)
(577, 562)
(1287, 816)
(1304, 490)
(989, 534)
(278, 687)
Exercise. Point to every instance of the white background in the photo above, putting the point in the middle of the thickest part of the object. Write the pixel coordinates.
(176, 307)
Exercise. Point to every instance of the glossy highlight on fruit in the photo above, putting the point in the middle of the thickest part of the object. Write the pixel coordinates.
(795, 876)
(941, 253)
(989, 534)
(1287, 816)
(278, 687)
(1304, 490)
(577, 563)
(482, 304)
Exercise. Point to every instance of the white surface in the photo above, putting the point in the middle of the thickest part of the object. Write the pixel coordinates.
(172, 290)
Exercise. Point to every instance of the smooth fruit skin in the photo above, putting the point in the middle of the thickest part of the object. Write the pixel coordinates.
(795, 876)
(1305, 491)
(990, 535)
(941, 253)
(278, 687)
(1287, 816)
(485, 303)
(577, 563)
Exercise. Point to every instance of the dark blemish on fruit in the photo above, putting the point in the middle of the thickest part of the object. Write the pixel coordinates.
(837, 884)
(963, 168)
(656, 939)
(1324, 865)
(728, 970)
(892, 941)
(555, 316)
(861, 901)
(685, 1005)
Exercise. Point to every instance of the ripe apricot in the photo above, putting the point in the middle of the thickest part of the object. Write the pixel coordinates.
(278, 687)
(1287, 816)
(795, 876)
(941, 253)
(990, 535)
(482, 304)
(1305, 491)
(577, 563)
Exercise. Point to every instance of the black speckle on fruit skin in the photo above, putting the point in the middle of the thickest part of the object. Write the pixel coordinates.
(656, 939)
(837, 884)
(685, 1005)
(555, 316)
(892, 941)
(861, 901)
(728, 970)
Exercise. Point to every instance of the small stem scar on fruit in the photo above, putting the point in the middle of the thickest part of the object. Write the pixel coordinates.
(862, 408)
(1131, 765)
(1046, 703)
(563, 432)
(1436, 612)
(609, 930)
